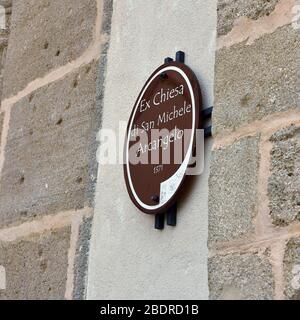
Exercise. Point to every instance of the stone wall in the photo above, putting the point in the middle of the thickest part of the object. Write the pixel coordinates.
(49, 117)
(254, 201)
(53, 90)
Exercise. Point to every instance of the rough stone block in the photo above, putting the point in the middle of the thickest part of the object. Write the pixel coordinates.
(47, 158)
(252, 81)
(240, 276)
(291, 265)
(1, 125)
(81, 262)
(36, 266)
(230, 10)
(6, 3)
(232, 190)
(46, 34)
(3, 49)
(284, 183)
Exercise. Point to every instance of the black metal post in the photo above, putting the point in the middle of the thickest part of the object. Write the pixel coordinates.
(159, 221)
(172, 215)
(180, 56)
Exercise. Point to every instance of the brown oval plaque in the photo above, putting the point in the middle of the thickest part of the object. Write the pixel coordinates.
(160, 137)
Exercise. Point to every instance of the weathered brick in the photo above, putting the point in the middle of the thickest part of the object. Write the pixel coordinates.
(232, 190)
(230, 10)
(240, 276)
(36, 266)
(284, 183)
(252, 81)
(291, 265)
(47, 158)
(46, 34)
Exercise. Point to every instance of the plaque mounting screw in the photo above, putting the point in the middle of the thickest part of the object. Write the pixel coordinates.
(155, 198)
(168, 59)
(163, 75)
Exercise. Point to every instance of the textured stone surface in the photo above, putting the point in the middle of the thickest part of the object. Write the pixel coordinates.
(291, 265)
(230, 10)
(284, 183)
(81, 262)
(46, 168)
(240, 276)
(1, 124)
(36, 266)
(232, 190)
(2, 58)
(6, 3)
(252, 81)
(56, 33)
(4, 34)
(126, 250)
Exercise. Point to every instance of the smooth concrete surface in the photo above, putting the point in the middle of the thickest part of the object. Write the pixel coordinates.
(129, 259)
